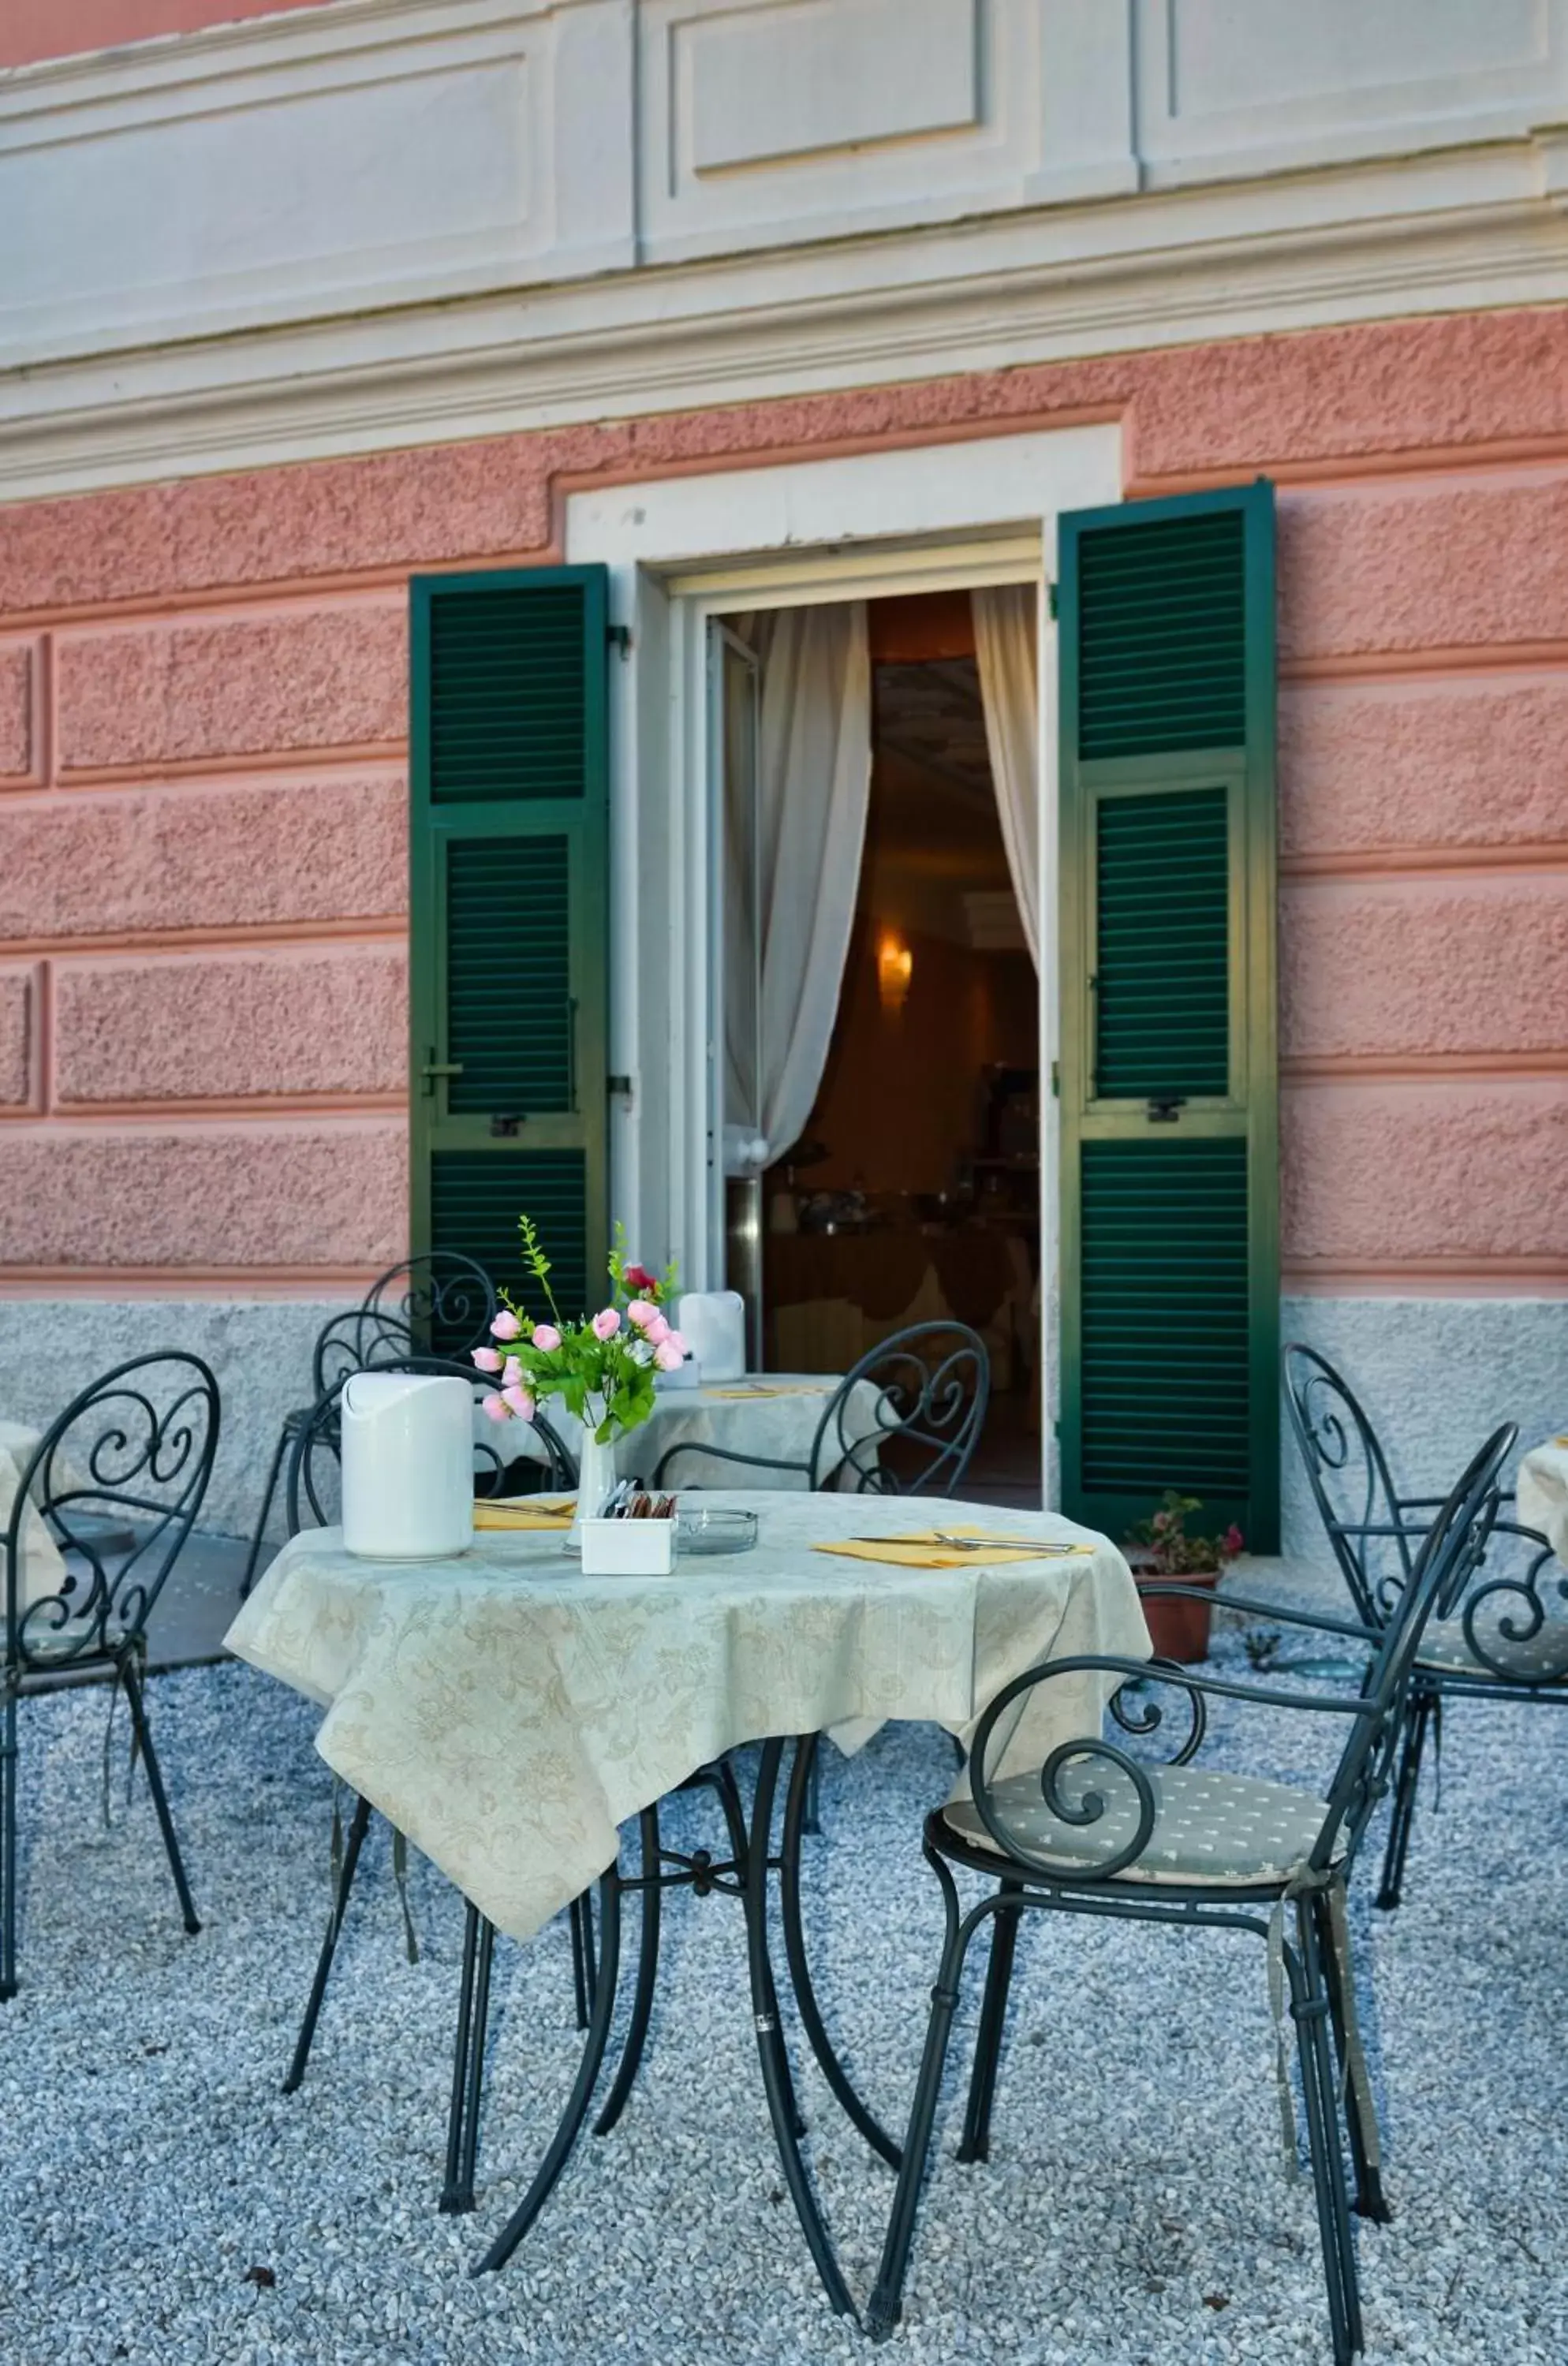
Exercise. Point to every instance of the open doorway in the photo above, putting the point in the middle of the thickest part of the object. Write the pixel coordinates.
(911, 1190)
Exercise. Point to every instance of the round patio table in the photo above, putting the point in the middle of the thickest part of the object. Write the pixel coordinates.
(509, 1713)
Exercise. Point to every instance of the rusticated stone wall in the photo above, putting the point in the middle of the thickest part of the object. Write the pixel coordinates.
(202, 711)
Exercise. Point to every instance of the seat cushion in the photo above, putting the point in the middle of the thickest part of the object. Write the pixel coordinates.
(1541, 1659)
(1231, 1829)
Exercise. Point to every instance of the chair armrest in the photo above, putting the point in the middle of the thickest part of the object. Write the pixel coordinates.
(1174, 1672)
(1314, 1618)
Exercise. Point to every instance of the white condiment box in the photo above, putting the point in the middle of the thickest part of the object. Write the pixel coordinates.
(628, 1548)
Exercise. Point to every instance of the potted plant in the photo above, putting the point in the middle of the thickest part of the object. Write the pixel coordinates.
(1159, 1547)
(603, 1368)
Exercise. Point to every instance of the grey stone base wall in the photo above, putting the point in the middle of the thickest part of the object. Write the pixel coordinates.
(1436, 1374)
(260, 1349)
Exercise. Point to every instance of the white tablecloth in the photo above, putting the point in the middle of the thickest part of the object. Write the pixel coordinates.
(507, 1713)
(778, 1415)
(1543, 1492)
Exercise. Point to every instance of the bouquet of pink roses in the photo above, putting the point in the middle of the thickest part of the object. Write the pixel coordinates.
(602, 1367)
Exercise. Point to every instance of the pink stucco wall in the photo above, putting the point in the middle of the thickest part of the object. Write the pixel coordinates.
(202, 705)
(30, 29)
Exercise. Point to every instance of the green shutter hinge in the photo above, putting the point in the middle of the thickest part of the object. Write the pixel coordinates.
(1055, 1080)
(618, 1085)
(1053, 604)
(619, 637)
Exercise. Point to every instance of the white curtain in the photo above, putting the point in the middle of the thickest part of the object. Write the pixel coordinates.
(1006, 646)
(813, 786)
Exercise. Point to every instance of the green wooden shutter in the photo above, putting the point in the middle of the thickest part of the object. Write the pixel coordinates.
(508, 990)
(1171, 1281)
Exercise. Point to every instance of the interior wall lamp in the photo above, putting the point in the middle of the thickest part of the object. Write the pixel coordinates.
(895, 967)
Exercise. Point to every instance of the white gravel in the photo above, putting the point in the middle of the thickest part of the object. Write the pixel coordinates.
(164, 2204)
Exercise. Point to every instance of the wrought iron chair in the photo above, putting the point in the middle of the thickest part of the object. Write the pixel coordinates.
(114, 1486)
(932, 1383)
(439, 1304)
(1103, 1828)
(313, 1500)
(1503, 1644)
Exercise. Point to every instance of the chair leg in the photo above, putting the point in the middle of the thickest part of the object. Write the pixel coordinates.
(1310, 2010)
(248, 1580)
(468, 2061)
(8, 1769)
(811, 1819)
(582, 2094)
(356, 1832)
(975, 2142)
(647, 1976)
(887, 2302)
(1369, 2200)
(1406, 1785)
(133, 1693)
(579, 1959)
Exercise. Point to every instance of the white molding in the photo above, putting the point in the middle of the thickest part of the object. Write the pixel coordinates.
(1484, 228)
(540, 249)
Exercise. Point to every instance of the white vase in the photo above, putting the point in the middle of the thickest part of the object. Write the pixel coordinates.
(596, 1471)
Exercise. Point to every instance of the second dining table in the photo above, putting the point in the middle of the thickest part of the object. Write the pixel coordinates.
(509, 1713)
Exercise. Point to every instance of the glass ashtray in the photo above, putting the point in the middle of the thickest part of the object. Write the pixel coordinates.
(702, 1530)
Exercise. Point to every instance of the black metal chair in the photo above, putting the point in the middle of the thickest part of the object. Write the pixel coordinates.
(313, 1500)
(1503, 1642)
(932, 1383)
(1106, 1828)
(439, 1304)
(115, 1484)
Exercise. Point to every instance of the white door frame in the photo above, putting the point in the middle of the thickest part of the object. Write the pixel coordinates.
(682, 549)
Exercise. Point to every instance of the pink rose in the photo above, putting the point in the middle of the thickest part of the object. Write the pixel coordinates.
(486, 1359)
(521, 1403)
(547, 1339)
(668, 1356)
(606, 1322)
(676, 1340)
(511, 1374)
(642, 1311)
(496, 1410)
(505, 1326)
(656, 1332)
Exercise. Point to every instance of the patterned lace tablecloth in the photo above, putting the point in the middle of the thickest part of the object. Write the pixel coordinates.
(1543, 1492)
(508, 1713)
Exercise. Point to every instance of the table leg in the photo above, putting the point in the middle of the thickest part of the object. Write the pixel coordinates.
(356, 1832)
(796, 1810)
(770, 2036)
(582, 2094)
(647, 1975)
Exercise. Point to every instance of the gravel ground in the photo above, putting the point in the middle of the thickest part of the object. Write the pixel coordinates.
(165, 2204)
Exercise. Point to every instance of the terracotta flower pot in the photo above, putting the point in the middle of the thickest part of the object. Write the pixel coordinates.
(1178, 1628)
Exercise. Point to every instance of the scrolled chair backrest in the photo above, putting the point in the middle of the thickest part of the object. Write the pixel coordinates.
(1448, 1557)
(1349, 1474)
(440, 1304)
(1101, 1788)
(114, 1485)
(313, 1496)
(931, 1384)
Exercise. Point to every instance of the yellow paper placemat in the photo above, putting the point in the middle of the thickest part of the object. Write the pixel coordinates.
(524, 1512)
(1561, 1441)
(775, 1389)
(925, 1550)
